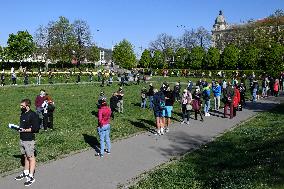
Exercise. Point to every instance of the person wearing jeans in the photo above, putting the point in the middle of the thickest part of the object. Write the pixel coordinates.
(104, 116)
(217, 94)
(206, 98)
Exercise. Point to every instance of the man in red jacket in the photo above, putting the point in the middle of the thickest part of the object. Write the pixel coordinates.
(104, 116)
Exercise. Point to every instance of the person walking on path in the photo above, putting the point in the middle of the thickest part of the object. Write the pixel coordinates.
(228, 100)
(206, 98)
(197, 103)
(151, 95)
(29, 125)
(120, 95)
(167, 112)
(217, 95)
(104, 115)
(242, 89)
(236, 101)
(159, 105)
(185, 106)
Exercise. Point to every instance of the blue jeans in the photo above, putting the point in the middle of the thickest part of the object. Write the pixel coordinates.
(151, 98)
(143, 103)
(104, 133)
(206, 106)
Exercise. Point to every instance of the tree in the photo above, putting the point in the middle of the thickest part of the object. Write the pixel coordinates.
(181, 57)
(123, 54)
(93, 53)
(230, 57)
(193, 38)
(82, 34)
(20, 46)
(163, 42)
(1, 54)
(196, 57)
(158, 60)
(145, 59)
(272, 60)
(212, 58)
(249, 58)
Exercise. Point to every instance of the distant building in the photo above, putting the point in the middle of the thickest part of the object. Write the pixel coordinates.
(271, 29)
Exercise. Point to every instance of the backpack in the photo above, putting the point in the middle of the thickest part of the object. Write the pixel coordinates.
(162, 104)
(35, 127)
(50, 108)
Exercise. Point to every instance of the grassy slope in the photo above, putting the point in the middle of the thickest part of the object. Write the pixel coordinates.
(74, 121)
(250, 156)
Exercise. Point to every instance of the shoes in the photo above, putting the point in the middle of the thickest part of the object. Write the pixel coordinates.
(167, 130)
(182, 122)
(162, 131)
(21, 176)
(207, 114)
(107, 151)
(187, 122)
(99, 154)
(29, 181)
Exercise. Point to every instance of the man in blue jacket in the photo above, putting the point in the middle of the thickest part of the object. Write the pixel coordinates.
(217, 95)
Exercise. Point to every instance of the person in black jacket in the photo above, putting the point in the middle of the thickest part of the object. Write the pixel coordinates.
(150, 95)
(113, 104)
(29, 125)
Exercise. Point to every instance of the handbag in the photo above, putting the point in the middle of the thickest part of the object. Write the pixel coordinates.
(188, 107)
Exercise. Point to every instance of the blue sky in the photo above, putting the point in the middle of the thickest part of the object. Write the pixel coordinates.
(138, 21)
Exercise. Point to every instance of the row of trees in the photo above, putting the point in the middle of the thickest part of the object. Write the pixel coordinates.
(59, 41)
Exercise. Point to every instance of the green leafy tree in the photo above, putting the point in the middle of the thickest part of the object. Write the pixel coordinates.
(93, 54)
(123, 55)
(169, 57)
(1, 53)
(230, 57)
(249, 58)
(20, 46)
(145, 59)
(181, 57)
(212, 58)
(158, 60)
(196, 57)
(272, 60)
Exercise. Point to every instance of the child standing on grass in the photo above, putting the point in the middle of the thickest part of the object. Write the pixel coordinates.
(143, 97)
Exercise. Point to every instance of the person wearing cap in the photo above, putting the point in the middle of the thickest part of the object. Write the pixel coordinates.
(150, 95)
(217, 95)
(103, 129)
(186, 99)
(120, 95)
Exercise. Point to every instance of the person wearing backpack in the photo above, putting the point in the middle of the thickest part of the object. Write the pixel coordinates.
(29, 125)
(159, 105)
(228, 100)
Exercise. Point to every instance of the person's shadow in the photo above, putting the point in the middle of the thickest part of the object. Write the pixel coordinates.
(92, 141)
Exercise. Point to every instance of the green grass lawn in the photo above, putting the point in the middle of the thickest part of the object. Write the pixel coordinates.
(74, 120)
(250, 157)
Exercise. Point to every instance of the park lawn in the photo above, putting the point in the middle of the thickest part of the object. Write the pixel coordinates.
(250, 157)
(74, 119)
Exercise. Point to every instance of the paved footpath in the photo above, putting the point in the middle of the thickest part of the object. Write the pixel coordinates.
(133, 156)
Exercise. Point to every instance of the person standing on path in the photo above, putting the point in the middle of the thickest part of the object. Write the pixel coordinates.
(120, 95)
(159, 105)
(217, 95)
(197, 103)
(104, 115)
(206, 98)
(167, 112)
(29, 124)
(228, 100)
(186, 99)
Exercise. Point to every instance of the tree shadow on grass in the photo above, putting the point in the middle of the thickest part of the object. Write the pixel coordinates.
(143, 124)
(92, 141)
(251, 156)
